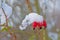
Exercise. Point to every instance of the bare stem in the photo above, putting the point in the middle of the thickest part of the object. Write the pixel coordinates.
(6, 18)
(29, 6)
(6, 25)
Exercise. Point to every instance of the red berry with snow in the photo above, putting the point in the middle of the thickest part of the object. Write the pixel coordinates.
(34, 19)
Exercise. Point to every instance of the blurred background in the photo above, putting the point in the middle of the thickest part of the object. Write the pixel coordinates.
(16, 10)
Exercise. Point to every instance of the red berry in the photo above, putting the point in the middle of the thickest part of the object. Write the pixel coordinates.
(39, 24)
(44, 24)
(34, 24)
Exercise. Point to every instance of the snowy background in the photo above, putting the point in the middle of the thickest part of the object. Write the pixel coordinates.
(16, 10)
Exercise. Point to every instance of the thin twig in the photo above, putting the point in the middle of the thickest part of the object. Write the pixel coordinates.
(6, 25)
(29, 5)
(5, 17)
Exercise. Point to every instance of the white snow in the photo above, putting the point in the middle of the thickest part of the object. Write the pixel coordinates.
(22, 28)
(35, 17)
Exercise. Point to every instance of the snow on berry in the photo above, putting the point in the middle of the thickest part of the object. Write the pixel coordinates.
(34, 19)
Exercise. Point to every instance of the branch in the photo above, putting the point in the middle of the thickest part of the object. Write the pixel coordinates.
(5, 17)
(29, 6)
(6, 25)
(38, 9)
